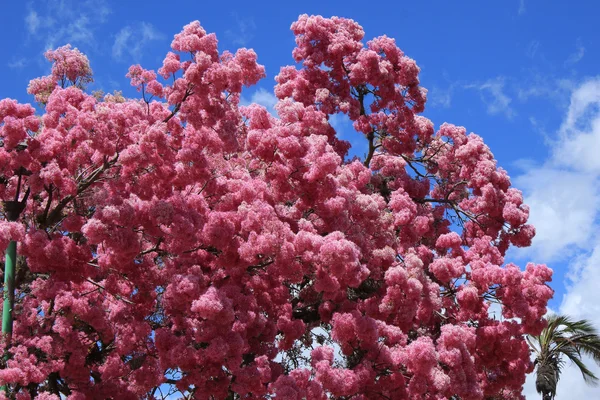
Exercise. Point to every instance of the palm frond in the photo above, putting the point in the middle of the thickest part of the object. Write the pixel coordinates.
(530, 341)
(580, 327)
(588, 376)
(564, 337)
(589, 345)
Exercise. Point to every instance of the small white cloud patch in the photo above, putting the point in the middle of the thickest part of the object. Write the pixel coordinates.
(244, 31)
(522, 8)
(265, 99)
(441, 97)
(493, 94)
(32, 22)
(132, 39)
(18, 63)
(68, 21)
(575, 57)
(533, 48)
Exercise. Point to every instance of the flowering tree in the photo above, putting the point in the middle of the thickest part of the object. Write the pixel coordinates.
(183, 243)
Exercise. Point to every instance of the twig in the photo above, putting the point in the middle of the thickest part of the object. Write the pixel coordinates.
(118, 297)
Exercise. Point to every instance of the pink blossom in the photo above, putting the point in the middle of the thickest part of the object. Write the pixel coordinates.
(179, 231)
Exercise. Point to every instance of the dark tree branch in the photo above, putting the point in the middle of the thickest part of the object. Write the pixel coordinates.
(187, 94)
(55, 214)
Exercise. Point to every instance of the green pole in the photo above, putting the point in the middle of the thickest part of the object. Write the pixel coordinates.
(9, 298)
(12, 210)
(9, 289)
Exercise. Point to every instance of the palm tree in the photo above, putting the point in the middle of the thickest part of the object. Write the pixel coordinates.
(563, 337)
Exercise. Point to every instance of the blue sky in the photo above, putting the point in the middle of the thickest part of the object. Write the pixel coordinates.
(523, 74)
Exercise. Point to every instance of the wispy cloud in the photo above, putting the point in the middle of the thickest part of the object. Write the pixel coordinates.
(244, 31)
(132, 39)
(575, 57)
(121, 41)
(438, 96)
(58, 22)
(546, 87)
(32, 22)
(533, 48)
(522, 8)
(264, 98)
(493, 94)
(579, 138)
(17, 63)
(499, 94)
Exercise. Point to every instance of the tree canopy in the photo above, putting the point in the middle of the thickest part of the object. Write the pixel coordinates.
(182, 242)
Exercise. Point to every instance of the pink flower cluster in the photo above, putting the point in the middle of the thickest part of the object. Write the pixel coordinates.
(69, 66)
(186, 241)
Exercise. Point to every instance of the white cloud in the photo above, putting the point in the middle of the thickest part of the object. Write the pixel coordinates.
(265, 99)
(149, 32)
(546, 87)
(244, 32)
(121, 42)
(17, 63)
(498, 93)
(262, 97)
(493, 94)
(441, 97)
(529, 389)
(58, 22)
(132, 39)
(500, 102)
(495, 311)
(579, 140)
(586, 95)
(522, 8)
(78, 30)
(564, 192)
(564, 195)
(575, 57)
(563, 208)
(532, 49)
(579, 132)
(581, 301)
(32, 22)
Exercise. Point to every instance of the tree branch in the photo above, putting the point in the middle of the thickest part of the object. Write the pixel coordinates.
(54, 215)
(116, 296)
(187, 94)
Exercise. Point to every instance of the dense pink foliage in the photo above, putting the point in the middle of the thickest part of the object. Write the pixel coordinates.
(186, 241)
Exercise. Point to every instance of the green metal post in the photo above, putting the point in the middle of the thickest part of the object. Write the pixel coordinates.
(12, 211)
(9, 289)
(9, 297)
